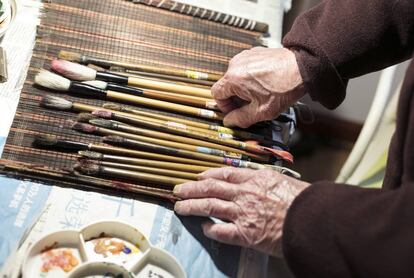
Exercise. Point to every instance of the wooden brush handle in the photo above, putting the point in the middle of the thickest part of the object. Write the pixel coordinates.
(151, 170)
(169, 87)
(155, 156)
(204, 113)
(142, 177)
(188, 100)
(156, 164)
(170, 147)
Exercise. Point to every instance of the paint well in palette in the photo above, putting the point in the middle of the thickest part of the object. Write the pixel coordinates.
(112, 248)
(56, 262)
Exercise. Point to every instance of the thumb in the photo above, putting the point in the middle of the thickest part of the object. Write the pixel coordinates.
(242, 117)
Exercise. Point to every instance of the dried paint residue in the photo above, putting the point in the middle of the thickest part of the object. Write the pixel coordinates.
(112, 246)
(59, 258)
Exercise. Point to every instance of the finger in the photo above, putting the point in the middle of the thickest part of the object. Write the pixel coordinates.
(208, 188)
(221, 90)
(209, 207)
(242, 117)
(223, 232)
(228, 174)
(226, 105)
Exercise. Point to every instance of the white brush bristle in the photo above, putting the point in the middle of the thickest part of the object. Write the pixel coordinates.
(97, 84)
(56, 103)
(52, 81)
(73, 71)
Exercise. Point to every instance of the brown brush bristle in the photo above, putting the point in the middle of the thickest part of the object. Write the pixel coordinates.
(112, 106)
(87, 167)
(84, 127)
(70, 56)
(105, 114)
(85, 117)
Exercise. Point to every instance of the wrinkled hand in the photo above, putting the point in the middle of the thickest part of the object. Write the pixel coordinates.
(253, 203)
(259, 84)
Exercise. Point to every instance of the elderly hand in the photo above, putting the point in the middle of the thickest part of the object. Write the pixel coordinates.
(259, 84)
(253, 203)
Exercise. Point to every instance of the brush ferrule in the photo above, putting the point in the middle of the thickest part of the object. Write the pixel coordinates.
(85, 89)
(125, 89)
(111, 77)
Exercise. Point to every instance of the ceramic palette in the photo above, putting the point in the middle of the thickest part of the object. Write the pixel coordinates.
(102, 249)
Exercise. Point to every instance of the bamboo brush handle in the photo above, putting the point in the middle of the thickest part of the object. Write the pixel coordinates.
(156, 164)
(204, 113)
(188, 100)
(176, 138)
(168, 118)
(151, 170)
(155, 156)
(172, 71)
(183, 139)
(169, 87)
(178, 148)
(131, 120)
(142, 177)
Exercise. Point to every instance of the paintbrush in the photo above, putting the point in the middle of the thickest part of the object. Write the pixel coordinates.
(55, 82)
(144, 162)
(30, 171)
(215, 138)
(91, 168)
(85, 117)
(51, 142)
(220, 129)
(105, 127)
(83, 59)
(187, 80)
(188, 100)
(150, 170)
(136, 119)
(135, 144)
(83, 73)
(202, 139)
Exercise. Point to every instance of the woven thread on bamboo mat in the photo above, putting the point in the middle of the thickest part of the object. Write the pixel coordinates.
(117, 30)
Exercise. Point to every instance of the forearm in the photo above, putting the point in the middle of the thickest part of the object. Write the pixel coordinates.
(341, 39)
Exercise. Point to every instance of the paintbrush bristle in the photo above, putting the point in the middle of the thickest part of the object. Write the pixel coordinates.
(84, 127)
(85, 117)
(73, 71)
(52, 81)
(87, 167)
(102, 123)
(45, 140)
(113, 139)
(97, 84)
(112, 106)
(105, 114)
(90, 155)
(56, 103)
(70, 56)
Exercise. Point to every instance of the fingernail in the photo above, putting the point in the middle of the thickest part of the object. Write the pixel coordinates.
(177, 207)
(177, 189)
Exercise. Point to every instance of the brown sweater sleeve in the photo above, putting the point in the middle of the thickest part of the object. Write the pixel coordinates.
(343, 231)
(341, 39)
